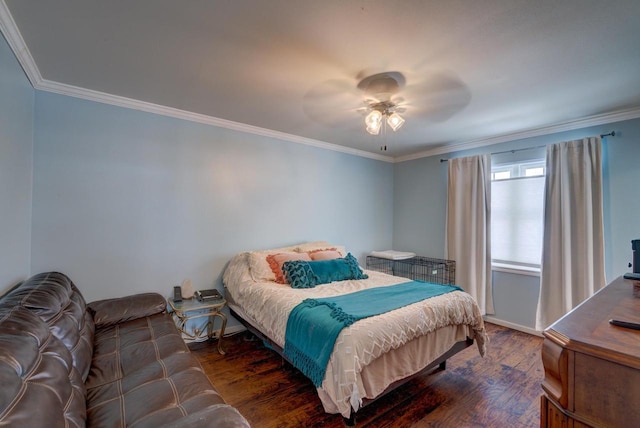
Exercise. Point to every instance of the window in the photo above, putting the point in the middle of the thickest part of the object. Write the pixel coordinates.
(517, 210)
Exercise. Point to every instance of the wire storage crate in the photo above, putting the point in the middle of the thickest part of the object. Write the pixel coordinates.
(438, 271)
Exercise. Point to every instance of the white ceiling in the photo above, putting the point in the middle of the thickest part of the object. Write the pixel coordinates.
(475, 70)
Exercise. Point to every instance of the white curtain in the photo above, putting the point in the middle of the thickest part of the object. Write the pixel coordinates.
(468, 236)
(573, 237)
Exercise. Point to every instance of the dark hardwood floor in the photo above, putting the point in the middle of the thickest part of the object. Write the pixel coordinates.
(500, 390)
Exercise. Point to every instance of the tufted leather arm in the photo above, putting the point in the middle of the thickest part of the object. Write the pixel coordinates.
(55, 299)
(39, 384)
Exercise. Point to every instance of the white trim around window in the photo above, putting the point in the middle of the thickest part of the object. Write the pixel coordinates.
(515, 269)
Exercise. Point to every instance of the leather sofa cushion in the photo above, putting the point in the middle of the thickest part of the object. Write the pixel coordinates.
(57, 301)
(144, 375)
(40, 386)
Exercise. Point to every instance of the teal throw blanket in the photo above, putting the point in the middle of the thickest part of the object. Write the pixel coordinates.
(314, 325)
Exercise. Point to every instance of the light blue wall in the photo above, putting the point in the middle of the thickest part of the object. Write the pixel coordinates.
(16, 148)
(420, 195)
(126, 201)
(420, 206)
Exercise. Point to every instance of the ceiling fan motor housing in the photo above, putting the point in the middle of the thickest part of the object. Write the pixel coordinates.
(382, 89)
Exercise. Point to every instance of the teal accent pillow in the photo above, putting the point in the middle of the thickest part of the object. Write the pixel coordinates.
(356, 272)
(304, 274)
(298, 274)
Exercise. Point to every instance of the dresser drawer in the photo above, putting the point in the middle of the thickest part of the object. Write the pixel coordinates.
(606, 393)
(552, 417)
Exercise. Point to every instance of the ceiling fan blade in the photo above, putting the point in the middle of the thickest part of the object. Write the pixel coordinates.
(437, 96)
(364, 110)
(333, 102)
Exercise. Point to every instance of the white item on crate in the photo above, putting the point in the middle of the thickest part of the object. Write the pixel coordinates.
(393, 255)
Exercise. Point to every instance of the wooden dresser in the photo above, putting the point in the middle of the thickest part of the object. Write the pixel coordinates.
(592, 368)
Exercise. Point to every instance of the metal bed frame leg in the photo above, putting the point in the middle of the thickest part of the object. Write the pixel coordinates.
(351, 420)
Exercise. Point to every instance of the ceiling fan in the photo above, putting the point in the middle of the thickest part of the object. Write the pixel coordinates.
(381, 100)
(382, 97)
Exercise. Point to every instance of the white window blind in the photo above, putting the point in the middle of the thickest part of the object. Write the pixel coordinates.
(517, 210)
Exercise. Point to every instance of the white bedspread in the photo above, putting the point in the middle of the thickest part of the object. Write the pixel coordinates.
(268, 304)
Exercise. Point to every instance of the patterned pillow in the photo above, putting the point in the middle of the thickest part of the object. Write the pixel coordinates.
(299, 274)
(337, 269)
(258, 265)
(356, 272)
(276, 260)
(303, 274)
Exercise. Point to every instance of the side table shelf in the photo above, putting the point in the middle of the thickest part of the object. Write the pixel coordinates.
(190, 309)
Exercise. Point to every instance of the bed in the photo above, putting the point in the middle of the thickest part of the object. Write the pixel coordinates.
(372, 355)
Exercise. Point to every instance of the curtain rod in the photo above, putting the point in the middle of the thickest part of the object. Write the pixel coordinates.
(610, 134)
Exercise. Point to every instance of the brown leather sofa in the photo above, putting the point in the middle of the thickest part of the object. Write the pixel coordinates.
(112, 363)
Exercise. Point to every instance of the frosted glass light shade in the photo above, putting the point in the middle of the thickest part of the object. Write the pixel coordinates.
(374, 129)
(373, 122)
(395, 121)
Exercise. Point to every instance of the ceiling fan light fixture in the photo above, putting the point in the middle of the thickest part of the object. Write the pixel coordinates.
(395, 121)
(373, 122)
(374, 129)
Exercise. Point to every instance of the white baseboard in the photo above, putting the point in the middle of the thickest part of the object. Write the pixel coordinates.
(512, 326)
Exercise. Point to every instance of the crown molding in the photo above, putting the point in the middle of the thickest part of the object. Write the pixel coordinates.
(16, 42)
(600, 119)
(11, 33)
(116, 100)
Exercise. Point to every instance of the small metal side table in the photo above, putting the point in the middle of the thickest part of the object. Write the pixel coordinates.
(190, 309)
